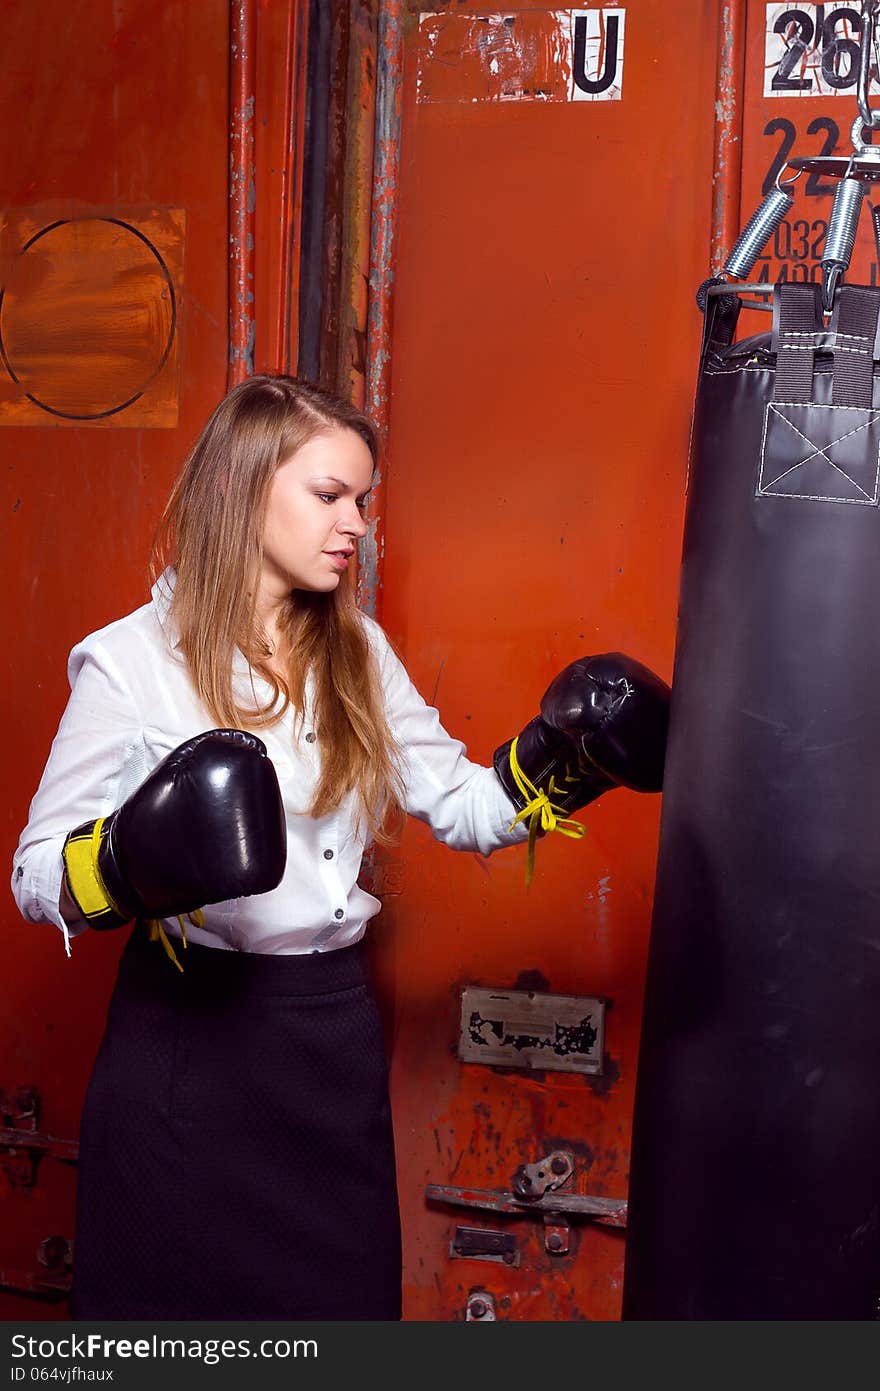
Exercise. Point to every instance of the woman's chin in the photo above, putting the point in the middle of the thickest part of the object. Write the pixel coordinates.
(323, 585)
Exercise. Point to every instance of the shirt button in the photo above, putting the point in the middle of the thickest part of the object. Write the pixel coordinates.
(340, 913)
(311, 737)
(328, 854)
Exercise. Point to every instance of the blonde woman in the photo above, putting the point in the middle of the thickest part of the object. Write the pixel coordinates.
(227, 753)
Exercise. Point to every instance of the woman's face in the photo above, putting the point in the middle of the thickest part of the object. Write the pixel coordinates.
(314, 515)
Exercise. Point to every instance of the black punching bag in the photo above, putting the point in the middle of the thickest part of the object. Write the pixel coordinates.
(755, 1179)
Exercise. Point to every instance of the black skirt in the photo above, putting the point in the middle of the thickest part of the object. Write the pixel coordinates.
(236, 1152)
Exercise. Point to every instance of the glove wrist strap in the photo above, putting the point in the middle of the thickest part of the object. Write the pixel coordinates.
(80, 853)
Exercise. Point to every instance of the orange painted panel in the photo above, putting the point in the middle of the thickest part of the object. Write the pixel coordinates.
(126, 118)
(545, 340)
(89, 318)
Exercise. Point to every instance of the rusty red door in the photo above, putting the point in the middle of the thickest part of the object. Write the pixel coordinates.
(555, 215)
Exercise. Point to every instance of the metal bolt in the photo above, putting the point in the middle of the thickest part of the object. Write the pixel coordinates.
(558, 1164)
(479, 1307)
(554, 1241)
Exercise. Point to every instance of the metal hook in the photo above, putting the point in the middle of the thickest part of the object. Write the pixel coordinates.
(867, 40)
(787, 182)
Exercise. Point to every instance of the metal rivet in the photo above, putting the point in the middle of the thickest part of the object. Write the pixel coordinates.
(311, 737)
(478, 1308)
(558, 1164)
(554, 1241)
(328, 854)
(340, 913)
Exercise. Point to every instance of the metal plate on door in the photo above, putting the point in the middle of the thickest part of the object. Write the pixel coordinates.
(484, 1244)
(531, 1030)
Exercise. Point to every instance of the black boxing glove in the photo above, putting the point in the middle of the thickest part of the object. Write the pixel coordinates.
(206, 825)
(603, 724)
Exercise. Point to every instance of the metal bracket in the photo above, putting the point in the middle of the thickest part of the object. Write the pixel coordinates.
(52, 1284)
(22, 1145)
(545, 1175)
(480, 1306)
(557, 1235)
(484, 1244)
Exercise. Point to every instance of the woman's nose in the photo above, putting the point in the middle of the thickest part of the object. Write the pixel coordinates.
(353, 524)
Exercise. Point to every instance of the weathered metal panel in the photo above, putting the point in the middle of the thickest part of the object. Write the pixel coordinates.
(544, 339)
(127, 118)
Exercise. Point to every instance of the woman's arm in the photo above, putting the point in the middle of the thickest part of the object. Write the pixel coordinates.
(68, 909)
(463, 802)
(97, 734)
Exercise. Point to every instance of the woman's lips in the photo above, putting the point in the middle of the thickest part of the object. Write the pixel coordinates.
(340, 558)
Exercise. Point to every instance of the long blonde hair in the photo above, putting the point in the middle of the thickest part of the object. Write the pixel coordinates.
(211, 532)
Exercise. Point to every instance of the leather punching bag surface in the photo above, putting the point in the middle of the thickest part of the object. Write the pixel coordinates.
(755, 1180)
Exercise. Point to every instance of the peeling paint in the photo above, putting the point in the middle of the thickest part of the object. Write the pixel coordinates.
(242, 191)
(551, 55)
(727, 163)
(383, 227)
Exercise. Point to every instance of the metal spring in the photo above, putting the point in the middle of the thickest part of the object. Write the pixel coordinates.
(843, 223)
(757, 232)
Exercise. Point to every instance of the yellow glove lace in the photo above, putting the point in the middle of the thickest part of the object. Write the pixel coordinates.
(540, 811)
(158, 933)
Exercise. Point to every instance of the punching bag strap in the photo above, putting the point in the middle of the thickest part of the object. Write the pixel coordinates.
(720, 315)
(797, 328)
(854, 326)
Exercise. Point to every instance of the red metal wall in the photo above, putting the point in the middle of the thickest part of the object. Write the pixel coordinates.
(544, 344)
(94, 100)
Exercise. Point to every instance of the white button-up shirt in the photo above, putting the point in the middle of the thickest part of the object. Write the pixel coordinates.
(132, 702)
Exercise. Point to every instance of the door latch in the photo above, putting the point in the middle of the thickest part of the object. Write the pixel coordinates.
(546, 1186)
(22, 1145)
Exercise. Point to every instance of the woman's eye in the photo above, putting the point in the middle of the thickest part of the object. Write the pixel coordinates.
(362, 504)
(327, 497)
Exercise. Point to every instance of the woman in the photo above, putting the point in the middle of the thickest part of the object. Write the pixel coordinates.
(227, 753)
